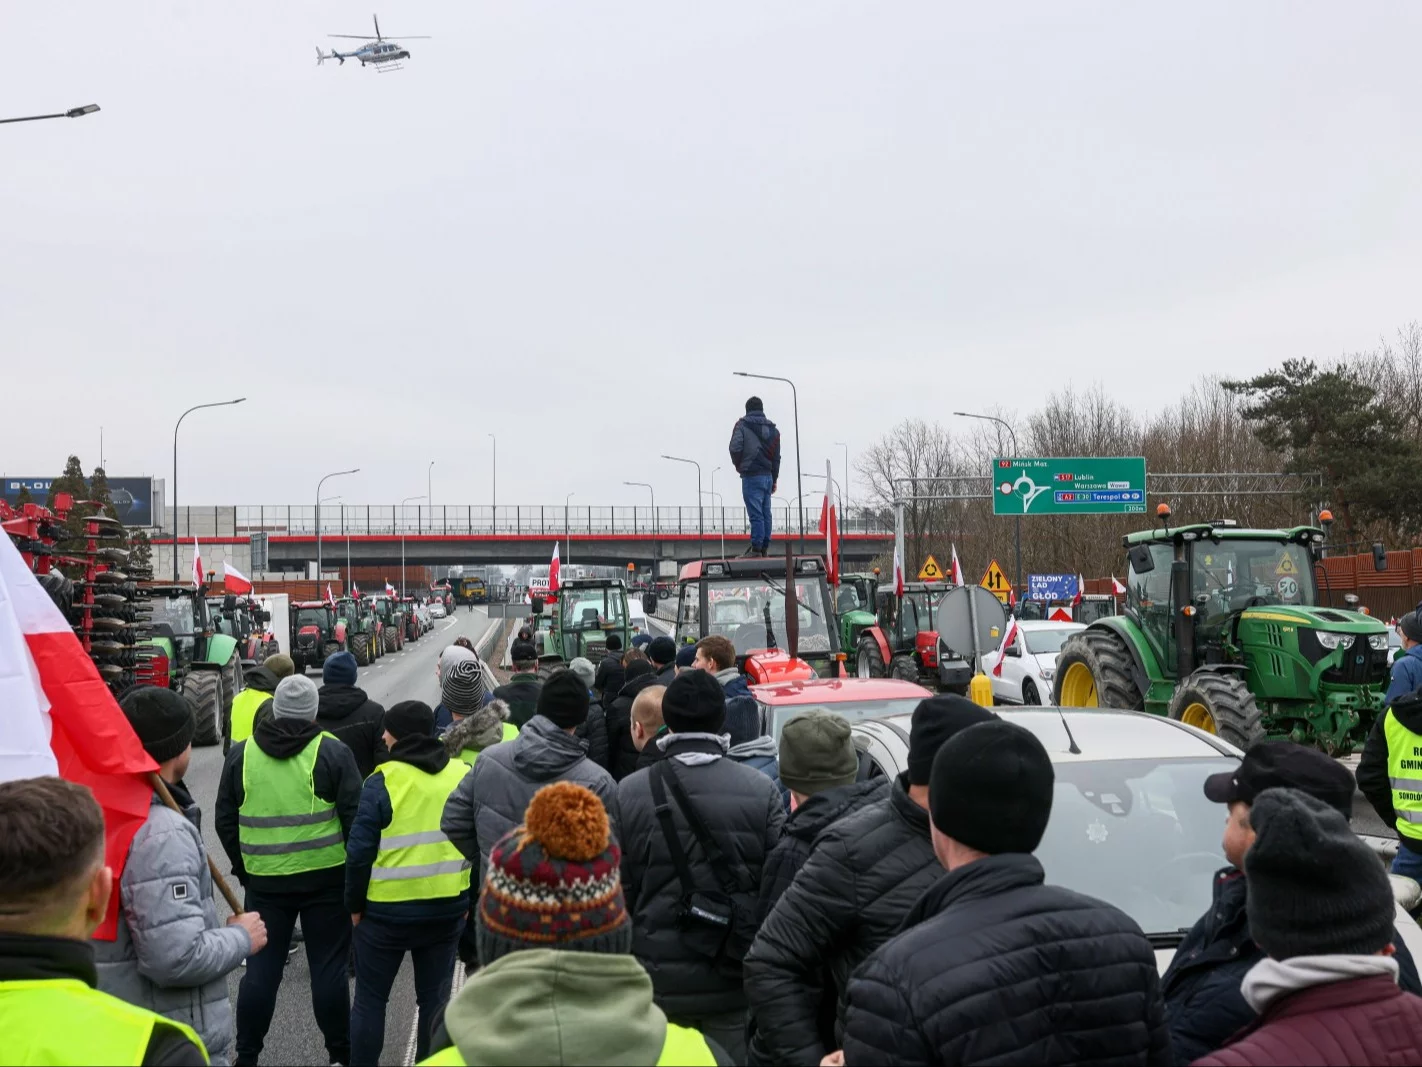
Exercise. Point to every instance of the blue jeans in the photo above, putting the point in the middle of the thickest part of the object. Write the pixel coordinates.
(1408, 863)
(380, 947)
(755, 490)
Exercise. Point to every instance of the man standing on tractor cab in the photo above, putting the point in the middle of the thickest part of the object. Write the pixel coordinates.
(755, 451)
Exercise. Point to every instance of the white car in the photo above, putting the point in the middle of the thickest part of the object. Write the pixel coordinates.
(1130, 824)
(1030, 663)
(437, 609)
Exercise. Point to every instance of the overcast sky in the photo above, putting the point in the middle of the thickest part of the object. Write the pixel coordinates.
(567, 224)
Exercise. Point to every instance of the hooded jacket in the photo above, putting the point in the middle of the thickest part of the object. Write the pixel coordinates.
(474, 733)
(520, 693)
(755, 446)
(622, 753)
(863, 875)
(172, 954)
(1372, 774)
(993, 966)
(494, 795)
(762, 755)
(607, 682)
(1406, 675)
(335, 779)
(345, 710)
(427, 754)
(556, 1007)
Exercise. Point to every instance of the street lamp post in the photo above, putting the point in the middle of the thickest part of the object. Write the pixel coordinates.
(72, 113)
(402, 538)
(1017, 534)
(333, 474)
(700, 514)
(429, 488)
(567, 527)
(494, 493)
(720, 504)
(648, 486)
(184, 415)
(795, 400)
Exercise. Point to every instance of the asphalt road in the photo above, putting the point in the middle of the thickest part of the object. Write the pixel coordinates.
(294, 1037)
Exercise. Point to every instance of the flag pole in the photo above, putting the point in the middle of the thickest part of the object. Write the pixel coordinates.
(161, 788)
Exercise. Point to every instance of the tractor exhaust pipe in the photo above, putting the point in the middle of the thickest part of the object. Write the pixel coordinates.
(1184, 612)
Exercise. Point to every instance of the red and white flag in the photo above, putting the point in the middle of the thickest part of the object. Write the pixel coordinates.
(329, 598)
(898, 572)
(355, 591)
(1080, 590)
(57, 717)
(1117, 587)
(553, 568)
(829, 526)
(1007, 641)
(233, 580)
(389, 589)
(957, 571)
(197, 565)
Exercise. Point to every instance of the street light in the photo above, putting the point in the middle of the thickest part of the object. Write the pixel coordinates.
(700, 515)
(795, 400)
(72, 113)
(720, 504)
(494, 494)
(648, 486)
(567, 527)
(429, 488)
(333, 474)
(184, 415)
(1017, 569)
(402, 539)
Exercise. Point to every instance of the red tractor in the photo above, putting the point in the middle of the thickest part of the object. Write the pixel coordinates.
(926, 636)
(316, 634)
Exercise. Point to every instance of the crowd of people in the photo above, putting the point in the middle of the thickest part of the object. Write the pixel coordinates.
(629, 870)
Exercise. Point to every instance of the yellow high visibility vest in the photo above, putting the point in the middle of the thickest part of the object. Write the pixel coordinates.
(416, 860)
(283, 827)
(1404, 769)
(684, 1047)
(244, 712)
(469, 755)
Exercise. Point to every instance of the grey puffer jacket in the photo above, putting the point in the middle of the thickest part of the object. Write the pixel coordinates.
(494, 795)
(172, 954)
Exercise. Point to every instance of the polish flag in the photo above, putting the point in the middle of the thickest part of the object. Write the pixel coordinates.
(1080, 590)
(59, 717)
(355, 591)
(233, 580)
(1007, 642)
(329, 598)
(956, 572)
(829, 526)
(553, 568)
(197, 565)
(898, 573)
(1117, 587)
(389, 589)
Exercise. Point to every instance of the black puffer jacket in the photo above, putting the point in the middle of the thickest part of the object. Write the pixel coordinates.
(862, 877)
(520, 693)
(347, 712)
(995, 967)
(622, 753)
(743, 810)
(593, 731)
(608, 680)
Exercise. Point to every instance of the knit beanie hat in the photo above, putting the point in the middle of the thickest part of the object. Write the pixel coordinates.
(409, 717)
(754, 404)
(686, 656)
(339, 669)
(564, 700)
(935, 720)
(1411, 625)
(523, 652)
(1315, 889)
(296, 698)
(991, 788)
(280, 665)
(614, 643)
(694, 703)
(817, 752)
(742, 719)
(451, 655)
(641, 640)
(554, 882)
(583, 668)
(638, 668)
(463, 686)
(662, 651)
(163, 720)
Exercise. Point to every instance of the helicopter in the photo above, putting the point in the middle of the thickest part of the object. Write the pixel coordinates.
(384, 54)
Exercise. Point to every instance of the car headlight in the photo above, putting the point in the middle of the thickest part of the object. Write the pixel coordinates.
(1330, 640)
(1377, 642)
(1048, 673)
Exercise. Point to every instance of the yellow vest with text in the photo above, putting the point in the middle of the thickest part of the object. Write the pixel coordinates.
(62, 1021)
(244, 712)
(416, 860)
(1404, 770)
(469, 755)
(683, 1047)
(283, 827)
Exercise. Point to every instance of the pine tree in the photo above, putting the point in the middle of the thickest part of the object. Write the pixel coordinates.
(71, 482)
(140, 552)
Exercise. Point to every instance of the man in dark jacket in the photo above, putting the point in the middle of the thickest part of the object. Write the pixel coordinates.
(608, 680)
(1397, 732)
(521, 691)
(1327, 992)
(593, 731)
(623, 752)
(662, 653)
(286, 742)
(648, 726)
(755, 453)
(1407, 668)
(717, 656)
(993, 966)
(694, 984)
(1203, 1001)
(863, 875)
(345, 710)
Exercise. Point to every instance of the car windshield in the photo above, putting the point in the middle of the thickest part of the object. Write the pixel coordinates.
(311, 617)
(1138, 834)
(1238, 574)
(177, 612)
(1046, 642)
(591, 609)
(773, 717)
(737, 611)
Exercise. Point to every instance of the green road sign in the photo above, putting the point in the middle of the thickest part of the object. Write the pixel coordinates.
(1074, 485)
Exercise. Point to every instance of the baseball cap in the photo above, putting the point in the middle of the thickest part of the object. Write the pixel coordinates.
(1283, 764)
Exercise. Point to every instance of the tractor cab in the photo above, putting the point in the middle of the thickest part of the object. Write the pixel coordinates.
(748, 601)
(187, 652)
(362, 629)
(585, 612)
(927, 635)
(854, 600)
(181, 626)
(316, 633)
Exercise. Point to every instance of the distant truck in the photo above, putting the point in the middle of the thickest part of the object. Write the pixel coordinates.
(473, 591)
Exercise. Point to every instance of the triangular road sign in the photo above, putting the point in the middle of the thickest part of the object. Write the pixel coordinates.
(995, 582)
(930, 571)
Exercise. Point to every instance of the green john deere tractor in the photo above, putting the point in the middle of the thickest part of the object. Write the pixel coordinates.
(586, 611)
(362, 633)
(1223, 630)
(854, 601)
(392, 622)
(191, 657)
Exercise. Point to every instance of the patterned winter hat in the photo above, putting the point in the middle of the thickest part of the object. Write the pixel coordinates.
(555, 881)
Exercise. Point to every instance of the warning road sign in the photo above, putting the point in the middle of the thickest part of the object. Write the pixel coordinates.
(930, 572)
(1286, 567)
(995, 582)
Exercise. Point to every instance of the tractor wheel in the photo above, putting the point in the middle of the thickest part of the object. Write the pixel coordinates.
(904, 668)
(360, 647)
(1094, 670)
(388, 639)
(1029, 693)
(204, 689)
(273, 648)
(1220, 704)
(869, 663)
